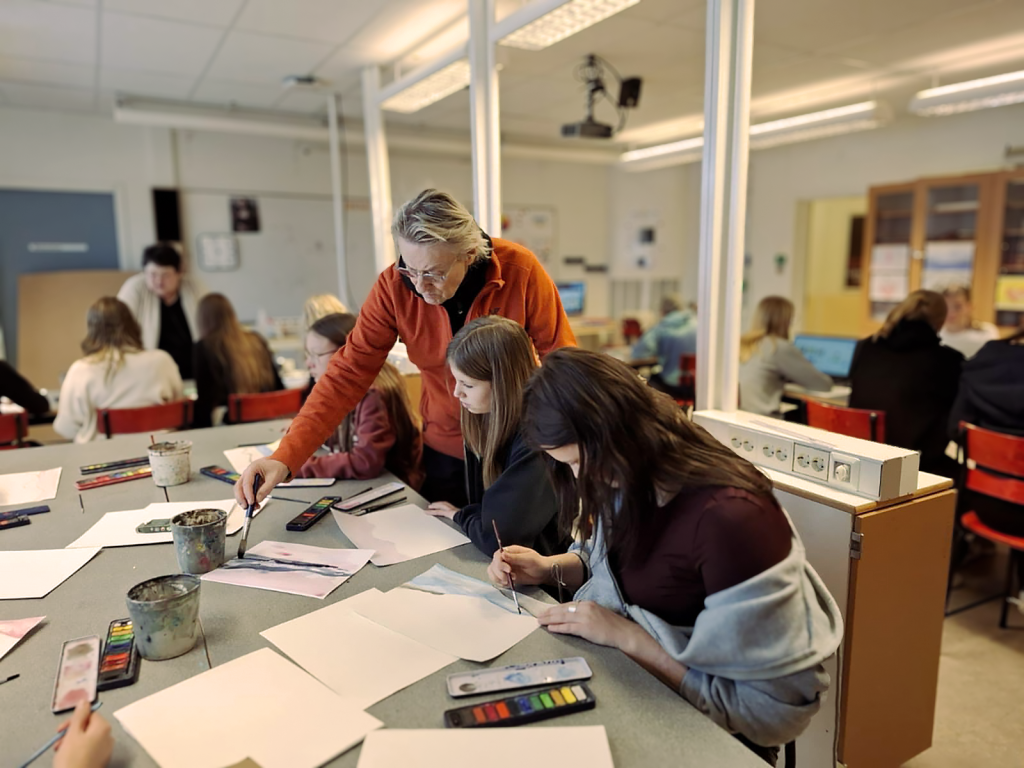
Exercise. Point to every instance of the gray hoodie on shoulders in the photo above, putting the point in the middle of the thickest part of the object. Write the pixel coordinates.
(754, 654)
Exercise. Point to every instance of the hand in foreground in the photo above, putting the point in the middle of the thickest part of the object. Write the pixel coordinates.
(271, 470)
(442, 509)
(526, 565)
(87, 743)
(590, 621)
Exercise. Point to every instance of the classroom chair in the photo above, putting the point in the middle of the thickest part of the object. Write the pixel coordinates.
(992, 452)
(688, 379)
(854, 422)
(127, 421)
(631, 330)
(13, 430)
(263, 407)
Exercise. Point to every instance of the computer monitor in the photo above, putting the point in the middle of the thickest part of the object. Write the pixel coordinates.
(573, 296)
(829, 354)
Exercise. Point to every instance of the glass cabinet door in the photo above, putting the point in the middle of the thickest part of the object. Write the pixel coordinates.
(1009, 300)
(951, 229)
(889, 268)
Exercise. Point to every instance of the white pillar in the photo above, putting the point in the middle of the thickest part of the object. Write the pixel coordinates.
(723, 199)
(379, 169)
(337, 202)
(484, 121)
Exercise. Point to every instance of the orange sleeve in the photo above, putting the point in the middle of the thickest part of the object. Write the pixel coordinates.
(546, 321)
(352, 370)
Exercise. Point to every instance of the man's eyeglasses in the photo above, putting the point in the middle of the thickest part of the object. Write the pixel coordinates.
(428, 277)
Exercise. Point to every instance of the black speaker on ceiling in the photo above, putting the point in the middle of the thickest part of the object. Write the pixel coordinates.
(167, 212)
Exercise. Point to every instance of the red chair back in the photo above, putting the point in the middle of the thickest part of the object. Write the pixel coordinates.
(631, 329)
(128, 421)
(263, 407)
(998, 452)
(855, 422)
(13, 428)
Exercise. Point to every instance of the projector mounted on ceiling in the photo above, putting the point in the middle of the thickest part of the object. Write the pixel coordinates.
(592, 72)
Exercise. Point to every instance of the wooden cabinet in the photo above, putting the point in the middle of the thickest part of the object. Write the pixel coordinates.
(937, 232)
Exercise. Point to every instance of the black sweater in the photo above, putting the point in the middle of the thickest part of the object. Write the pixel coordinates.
(991, 392)
(521, 501)
(16, 387)
(213, 383)
(913, 378)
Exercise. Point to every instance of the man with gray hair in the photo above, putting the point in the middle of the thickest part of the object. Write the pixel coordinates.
(449, 272)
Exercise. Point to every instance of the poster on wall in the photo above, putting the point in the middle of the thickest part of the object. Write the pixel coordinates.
(245, 214)
(947, 263)
(888, 288)
(217, 251)
(1010, 293)
(534, 227)
(892, 257)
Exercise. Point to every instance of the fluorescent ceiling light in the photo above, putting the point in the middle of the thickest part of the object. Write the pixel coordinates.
(997, 91)
(815, 125)
(566, 19)
(432, 88)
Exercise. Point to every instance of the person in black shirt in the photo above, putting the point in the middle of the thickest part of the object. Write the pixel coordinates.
(16, 387)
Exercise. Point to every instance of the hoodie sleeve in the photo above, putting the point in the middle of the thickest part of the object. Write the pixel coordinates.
(768, 712)
(796, 368)
(374, 438)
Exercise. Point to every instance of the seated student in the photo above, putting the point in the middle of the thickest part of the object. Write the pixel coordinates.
(490, 360)
(322, 305)
(17, 389)
(382, 431)
(164, 300)
(961, 331)
(905, 371)
(227, 360)
(116, 372)
(768, 359)
(687, 564)
(675, 335)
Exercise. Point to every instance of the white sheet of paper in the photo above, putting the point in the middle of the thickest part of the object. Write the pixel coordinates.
(13, 630)
(399, 533)
(359, 660)
(37, 572)
(445, 581)
(29, 487)
(894, 257)
(468, 627)
(493, 747)
(117, 529)
(242, 457)
(246, 708)
(304, 578)
(885, 287)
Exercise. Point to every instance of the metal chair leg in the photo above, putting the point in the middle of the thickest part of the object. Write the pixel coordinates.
(1010, 568)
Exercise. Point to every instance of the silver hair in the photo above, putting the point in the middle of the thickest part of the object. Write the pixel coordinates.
(437, 217)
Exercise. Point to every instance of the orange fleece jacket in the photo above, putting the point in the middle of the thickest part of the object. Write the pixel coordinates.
(517, 287)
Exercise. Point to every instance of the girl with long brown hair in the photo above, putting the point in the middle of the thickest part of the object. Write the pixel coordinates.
(491, 360)
(685, 560)
(382, 431)
(227, 360)
(116, 372)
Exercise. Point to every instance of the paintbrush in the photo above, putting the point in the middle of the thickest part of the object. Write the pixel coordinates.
(511, 578)
(256, 481)
(60, 735)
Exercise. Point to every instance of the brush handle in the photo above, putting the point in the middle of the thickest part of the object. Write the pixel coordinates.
(256, 483)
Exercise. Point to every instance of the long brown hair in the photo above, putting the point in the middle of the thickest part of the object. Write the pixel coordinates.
(336, 327)
(497, 350)
(111, 331)
(239, 353)
(634, 444)
(772, 319)
(919, 305)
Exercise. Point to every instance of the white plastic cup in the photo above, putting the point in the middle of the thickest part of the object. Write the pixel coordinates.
(171, 462)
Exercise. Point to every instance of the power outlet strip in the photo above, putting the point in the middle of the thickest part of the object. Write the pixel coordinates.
(873, 470)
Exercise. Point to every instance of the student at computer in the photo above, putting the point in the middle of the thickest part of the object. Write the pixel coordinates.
(688, 563)
(227, 360)
(490, 360)
(961, 331)
(674, 335)
(905, 371)
(382, 431)
(768, 359)
(116, 372)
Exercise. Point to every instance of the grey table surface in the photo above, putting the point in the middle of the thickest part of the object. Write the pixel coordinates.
(647, 723)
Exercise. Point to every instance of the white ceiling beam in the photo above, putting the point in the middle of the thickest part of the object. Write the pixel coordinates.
(422, 73)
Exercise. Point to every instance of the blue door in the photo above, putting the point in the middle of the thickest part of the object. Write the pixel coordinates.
(47, 232)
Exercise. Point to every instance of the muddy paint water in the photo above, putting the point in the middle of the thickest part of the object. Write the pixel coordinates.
(171, 462)
(199, 539)
(165, 613)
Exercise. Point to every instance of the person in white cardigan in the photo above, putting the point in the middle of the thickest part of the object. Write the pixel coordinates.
(163, 300)
(116, 372)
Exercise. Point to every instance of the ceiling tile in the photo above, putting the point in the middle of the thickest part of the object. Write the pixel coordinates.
(156, 45)
(661, 11)
(218, 13)
(48, 72)
(252, 58)
(333, 21)
(223, 92)
(48, 97)
(45, 31)
(155, 84)
(403, 25)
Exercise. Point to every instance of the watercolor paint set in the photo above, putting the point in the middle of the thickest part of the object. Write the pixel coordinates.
(524, 708)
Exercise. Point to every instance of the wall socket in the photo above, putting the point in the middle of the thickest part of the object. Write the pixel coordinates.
(812, 462)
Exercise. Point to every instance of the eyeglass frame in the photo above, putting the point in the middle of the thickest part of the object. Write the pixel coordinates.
(435, 278)
(318, 355)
